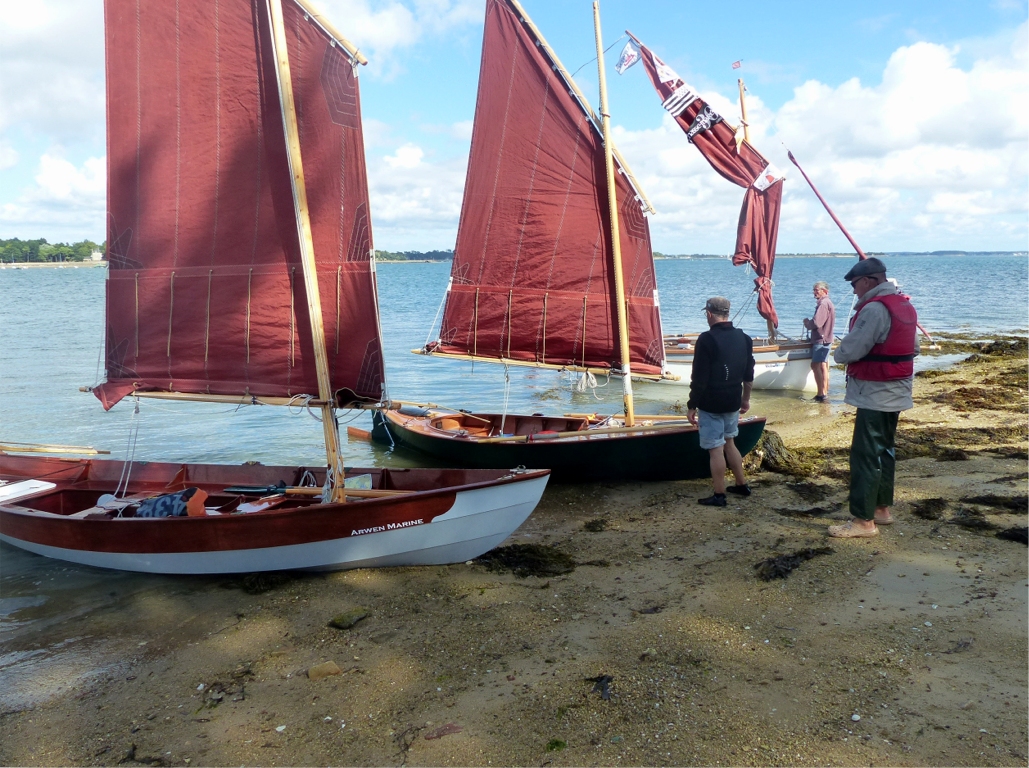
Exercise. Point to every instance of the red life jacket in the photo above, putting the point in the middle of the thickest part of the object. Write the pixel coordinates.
(892, 359)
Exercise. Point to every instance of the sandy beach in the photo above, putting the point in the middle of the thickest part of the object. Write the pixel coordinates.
(639, 631)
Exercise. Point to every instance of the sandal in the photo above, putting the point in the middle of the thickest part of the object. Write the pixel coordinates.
(850, 531)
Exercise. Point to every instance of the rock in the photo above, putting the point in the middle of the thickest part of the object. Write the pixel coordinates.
(855, 718)
(325, 669)
(443, 730)
(347, 619)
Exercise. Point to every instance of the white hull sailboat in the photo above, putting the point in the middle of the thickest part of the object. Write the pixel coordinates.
(241, 271)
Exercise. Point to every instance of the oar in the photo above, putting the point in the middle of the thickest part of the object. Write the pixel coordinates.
(42, 448)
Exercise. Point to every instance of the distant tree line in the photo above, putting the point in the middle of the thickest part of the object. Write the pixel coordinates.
(15, 250)
(414, 255)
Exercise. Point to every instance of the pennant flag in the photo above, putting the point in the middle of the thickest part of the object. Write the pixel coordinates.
(737, 64)
(630, 55)
(722, 145)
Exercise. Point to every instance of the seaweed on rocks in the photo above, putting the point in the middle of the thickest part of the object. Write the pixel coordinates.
(1000, 503)
(781, 566)
(973, 520)
(596, 525)
(528, 560)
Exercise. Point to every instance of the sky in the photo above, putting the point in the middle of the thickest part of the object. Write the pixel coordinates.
(911, 116)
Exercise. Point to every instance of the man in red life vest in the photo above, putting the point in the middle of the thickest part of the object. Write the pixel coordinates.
(878, 351)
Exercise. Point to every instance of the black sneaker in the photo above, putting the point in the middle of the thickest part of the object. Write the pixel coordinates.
(739, 490)
(714, 500)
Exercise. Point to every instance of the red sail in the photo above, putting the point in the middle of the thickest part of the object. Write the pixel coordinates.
(741, 164)
(206, 292)
(532, 279)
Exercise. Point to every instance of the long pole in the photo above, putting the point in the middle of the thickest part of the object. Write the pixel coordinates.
(616, 247)
(308, 263)
(743, 111)
(843, 229)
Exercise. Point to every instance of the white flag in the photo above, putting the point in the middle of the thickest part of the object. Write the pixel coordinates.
(767, 178)
(629, 56)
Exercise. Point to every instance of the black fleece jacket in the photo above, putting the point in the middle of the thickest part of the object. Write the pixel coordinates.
(722, 360)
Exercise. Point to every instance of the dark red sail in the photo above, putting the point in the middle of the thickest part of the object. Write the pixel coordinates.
(734, 160)
(532, 278)
(206, 292)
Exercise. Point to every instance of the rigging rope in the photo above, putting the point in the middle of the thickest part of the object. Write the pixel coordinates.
(507, 395)
(130, 452)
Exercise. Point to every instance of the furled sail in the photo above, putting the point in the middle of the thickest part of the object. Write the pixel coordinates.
(532, 279)
(735, 161)
(206, 292)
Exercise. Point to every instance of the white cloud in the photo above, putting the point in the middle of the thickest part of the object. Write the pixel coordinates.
(415, 199)
(52, 68)
(381, 28)
(407, 156)
(66, 201)
(934, 156)
(8, 155)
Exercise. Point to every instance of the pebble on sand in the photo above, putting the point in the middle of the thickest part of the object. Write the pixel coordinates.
(325, 669)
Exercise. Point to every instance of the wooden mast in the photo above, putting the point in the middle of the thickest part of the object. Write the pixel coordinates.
(616, 247)
(314, 303)
(743, 112)
(772, 333)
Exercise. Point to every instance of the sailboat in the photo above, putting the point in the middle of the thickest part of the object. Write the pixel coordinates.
(241, 271)
(552, 268)
(781, 363)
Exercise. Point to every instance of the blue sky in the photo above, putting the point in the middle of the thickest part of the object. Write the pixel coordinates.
(910, 116)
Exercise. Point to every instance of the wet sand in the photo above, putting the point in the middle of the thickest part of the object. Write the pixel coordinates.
(906, 649)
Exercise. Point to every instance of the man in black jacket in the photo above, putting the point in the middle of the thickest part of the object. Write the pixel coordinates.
(723, 375)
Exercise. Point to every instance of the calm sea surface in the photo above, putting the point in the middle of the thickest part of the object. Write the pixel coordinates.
(51, 331)
(51, 321)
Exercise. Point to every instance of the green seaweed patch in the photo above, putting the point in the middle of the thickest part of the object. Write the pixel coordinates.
(935, 442)
(556, 745)
(349, 618)
(528, 560)
(259, 583)
(967, 399)
(929, 509)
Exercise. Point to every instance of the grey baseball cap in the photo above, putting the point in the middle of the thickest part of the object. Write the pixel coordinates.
(717, 305)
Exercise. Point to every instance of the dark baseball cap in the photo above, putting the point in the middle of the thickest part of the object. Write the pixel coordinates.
(717, 305)
(864, 268)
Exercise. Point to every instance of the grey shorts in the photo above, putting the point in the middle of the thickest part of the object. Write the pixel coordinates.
(716, 428)
(820, 353)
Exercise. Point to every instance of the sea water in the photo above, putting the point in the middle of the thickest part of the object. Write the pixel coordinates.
(51, 335)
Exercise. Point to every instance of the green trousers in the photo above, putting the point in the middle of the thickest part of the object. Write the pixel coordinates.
(873, 462)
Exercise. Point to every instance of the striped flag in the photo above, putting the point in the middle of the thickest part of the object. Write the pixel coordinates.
(737, 64)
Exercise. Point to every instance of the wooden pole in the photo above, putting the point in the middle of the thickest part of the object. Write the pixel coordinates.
(743, 112)
(577, 92)
(616, 246)
(310, 267)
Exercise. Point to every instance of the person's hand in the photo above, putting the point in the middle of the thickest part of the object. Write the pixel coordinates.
(691, 414)
(744, 406)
